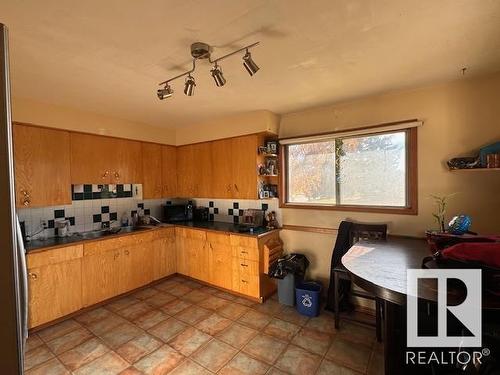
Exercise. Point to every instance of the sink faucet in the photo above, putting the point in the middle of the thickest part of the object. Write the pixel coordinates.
(107, 225)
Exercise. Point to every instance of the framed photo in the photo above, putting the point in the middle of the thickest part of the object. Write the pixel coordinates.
(272, 147)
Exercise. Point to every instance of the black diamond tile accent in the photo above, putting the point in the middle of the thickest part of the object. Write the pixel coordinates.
(236, 205)
(127, 194)
(113, 216)
(210, 204)
(97, 218)
(96, 195)
(230, 211)
(240, 213)
(87, 195)
(265, 206)
(104, 209)
(78, 196)
(211, 217)
(169, 202)
(216, 210)
(71, 220)
(140, 205)
(87, 188)
(50, 223)
(133, 212)
(58, 214)
(147, 211)
(119, 188)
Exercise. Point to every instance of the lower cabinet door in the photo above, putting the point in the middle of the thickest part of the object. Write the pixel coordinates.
(137, 265)
(246, 278)
(164, 257)
(54, 291)
(220, 265)
(197, 258)
(181, 258)
(101, 276)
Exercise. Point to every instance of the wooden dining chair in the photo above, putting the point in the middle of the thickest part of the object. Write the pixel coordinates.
(360, 232)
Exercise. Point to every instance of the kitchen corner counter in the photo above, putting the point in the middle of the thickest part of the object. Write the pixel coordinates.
(74, 239)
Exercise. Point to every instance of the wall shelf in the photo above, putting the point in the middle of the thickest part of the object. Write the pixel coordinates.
(475, 169)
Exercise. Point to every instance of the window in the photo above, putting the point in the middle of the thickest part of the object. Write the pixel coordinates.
(360, 172)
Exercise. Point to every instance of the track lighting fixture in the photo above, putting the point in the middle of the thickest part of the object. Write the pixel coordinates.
(249, 64)
(217, 76)
(189, 85)
(201, 51)
(165, 92)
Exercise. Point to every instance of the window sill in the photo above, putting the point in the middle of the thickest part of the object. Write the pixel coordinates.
(370, 209)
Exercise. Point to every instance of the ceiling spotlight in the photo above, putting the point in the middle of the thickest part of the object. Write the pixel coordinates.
(165, 92)
(249, 64)
(189, 86)
(217, 76)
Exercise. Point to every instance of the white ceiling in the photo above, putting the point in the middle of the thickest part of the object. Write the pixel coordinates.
(108, 56)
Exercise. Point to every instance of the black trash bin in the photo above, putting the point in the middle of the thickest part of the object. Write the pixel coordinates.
(289, 271)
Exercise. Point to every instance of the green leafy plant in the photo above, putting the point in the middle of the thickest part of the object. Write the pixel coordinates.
(441, 203)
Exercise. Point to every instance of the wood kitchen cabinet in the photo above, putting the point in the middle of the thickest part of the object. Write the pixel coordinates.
(192, 253)
(54, 284)
(186, 171)
(164, 258)
(219, 260)
(169, 171)
(244, 167)
(41, 166)
(152, 170)
(222, 174)
(104, 160)
(115, 266)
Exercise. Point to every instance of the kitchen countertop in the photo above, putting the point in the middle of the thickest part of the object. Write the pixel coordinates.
(216, 226)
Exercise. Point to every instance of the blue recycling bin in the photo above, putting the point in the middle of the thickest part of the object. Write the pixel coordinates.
(307, 296)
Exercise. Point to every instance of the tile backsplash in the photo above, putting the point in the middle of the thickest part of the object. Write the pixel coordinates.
(109, 203)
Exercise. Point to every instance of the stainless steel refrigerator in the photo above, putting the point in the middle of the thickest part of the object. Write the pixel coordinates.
(13, 287)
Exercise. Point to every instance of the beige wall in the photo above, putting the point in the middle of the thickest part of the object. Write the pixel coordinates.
(26, 110)
(459, 117)
(230, 126)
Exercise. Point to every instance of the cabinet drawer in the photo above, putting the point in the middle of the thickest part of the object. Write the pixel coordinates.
(102, 246)
(248, 285)
(220, 238)
(243, 241)
(191, 233)
(250, 253)
(53, 256)
(245, 267)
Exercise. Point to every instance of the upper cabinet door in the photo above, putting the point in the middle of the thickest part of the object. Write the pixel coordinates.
(202, 170)
(126, 161)
(185, 171)
(222, 178)
(90, 159)
(244, 166)
(42, 166)
(169, 171)
(152, 170)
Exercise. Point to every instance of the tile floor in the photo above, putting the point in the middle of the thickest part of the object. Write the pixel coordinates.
(182, 327)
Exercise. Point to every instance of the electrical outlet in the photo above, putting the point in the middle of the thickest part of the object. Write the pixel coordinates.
(43, 223)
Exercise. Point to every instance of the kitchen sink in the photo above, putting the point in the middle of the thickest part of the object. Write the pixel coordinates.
(108, 232)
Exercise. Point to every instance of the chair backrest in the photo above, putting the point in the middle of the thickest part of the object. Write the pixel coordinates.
(370, 232)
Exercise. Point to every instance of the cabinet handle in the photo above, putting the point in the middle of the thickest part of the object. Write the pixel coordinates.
(243, 265)
(236, 187)
(33, 276)
(127, 252)
(25, 193)
(106, 174)
(244, 252)
(26, 202)
(117, 176)
(229, 188)
(116, 255)
(244, 281)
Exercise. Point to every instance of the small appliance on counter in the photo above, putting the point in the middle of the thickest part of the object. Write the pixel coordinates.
(177, 212)
(62, 228)
(200, 214)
